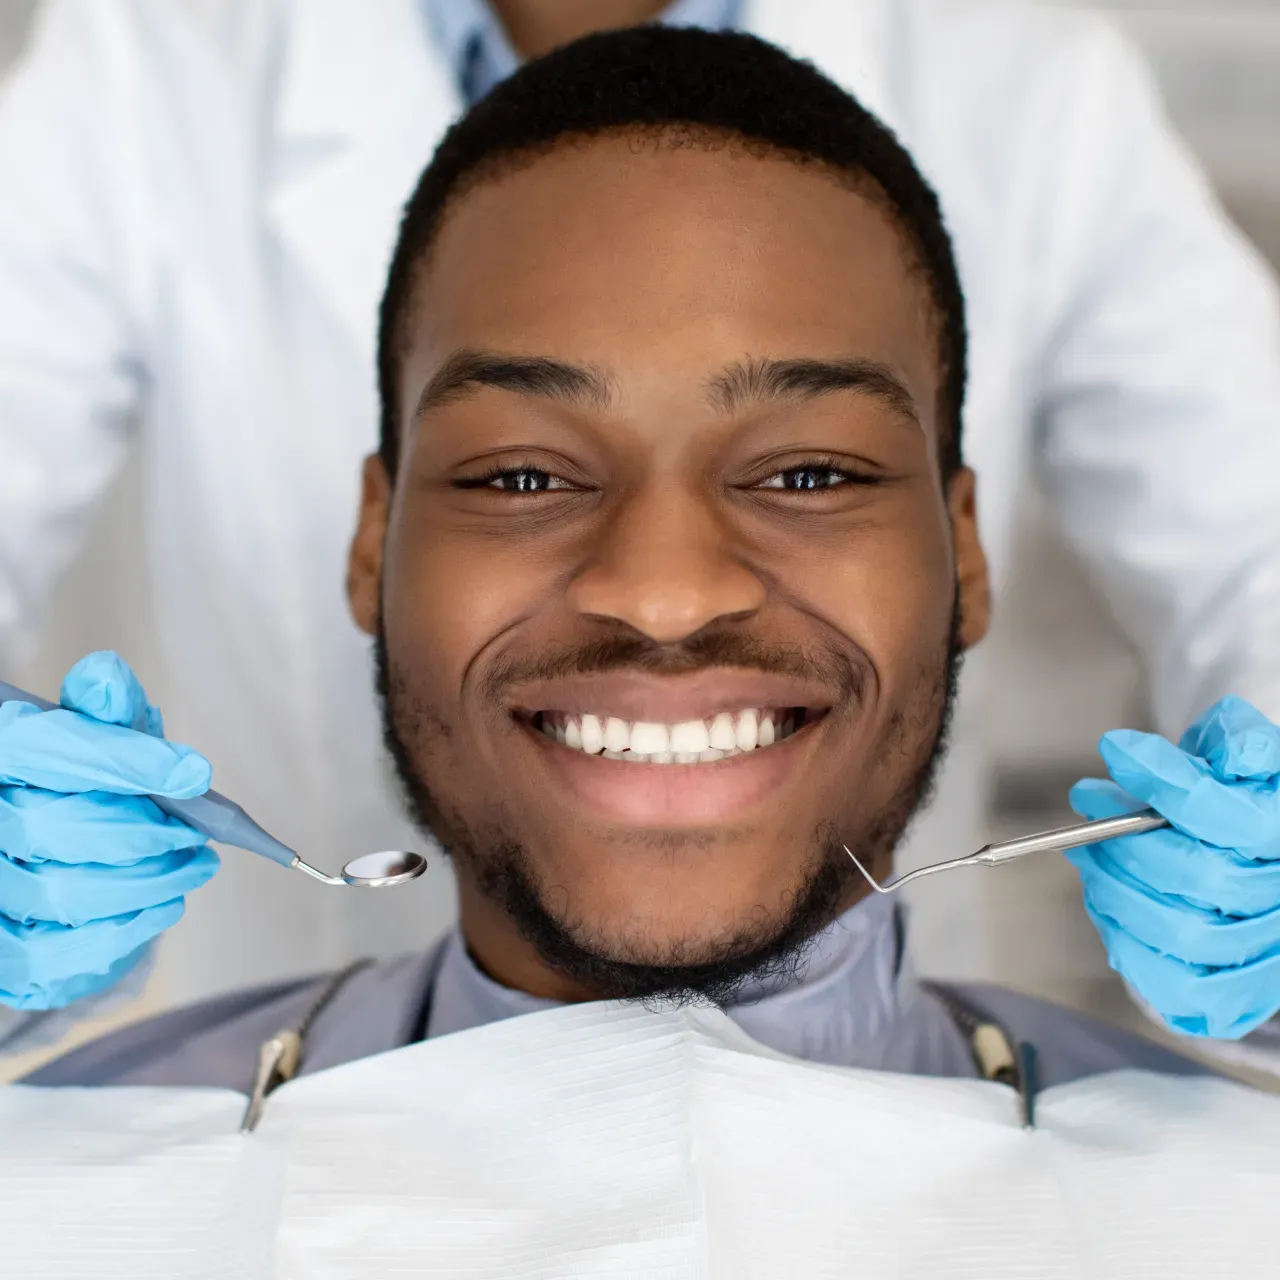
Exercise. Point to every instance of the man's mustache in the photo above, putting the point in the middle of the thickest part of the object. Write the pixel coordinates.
(706, 650)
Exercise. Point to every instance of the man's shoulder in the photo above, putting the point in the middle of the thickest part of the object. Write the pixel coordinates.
(215, 1043)
(199, 1044)
(1069, 1045)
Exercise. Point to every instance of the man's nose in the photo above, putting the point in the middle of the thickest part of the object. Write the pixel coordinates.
(665, 565)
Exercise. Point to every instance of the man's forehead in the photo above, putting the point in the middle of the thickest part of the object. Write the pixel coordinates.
(612, 207)
(679, 156)
(752, 277)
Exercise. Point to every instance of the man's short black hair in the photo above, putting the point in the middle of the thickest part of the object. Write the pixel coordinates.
(697, 86)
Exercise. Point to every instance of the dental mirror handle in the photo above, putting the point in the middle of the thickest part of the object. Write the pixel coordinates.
(211, 814)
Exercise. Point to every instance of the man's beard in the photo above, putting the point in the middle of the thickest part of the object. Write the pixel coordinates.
(768, 954)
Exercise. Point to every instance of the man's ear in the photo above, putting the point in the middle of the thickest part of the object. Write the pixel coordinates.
(364, 561)
(973, 581)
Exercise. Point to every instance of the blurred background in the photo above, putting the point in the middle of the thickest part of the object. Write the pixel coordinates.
(1066, 674)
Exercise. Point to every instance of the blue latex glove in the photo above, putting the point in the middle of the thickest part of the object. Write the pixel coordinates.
(90, 871)
(1191, 916)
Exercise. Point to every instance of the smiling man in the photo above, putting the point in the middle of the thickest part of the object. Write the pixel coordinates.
(679, 557)
(670, 558)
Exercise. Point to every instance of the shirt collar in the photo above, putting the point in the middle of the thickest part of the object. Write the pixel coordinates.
(474, 44)
(845, 998)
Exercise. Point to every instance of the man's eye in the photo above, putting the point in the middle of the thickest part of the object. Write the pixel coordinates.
(526, 480)
(516, 480)
(806, 479)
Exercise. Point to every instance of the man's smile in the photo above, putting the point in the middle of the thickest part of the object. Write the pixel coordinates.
(671, 752)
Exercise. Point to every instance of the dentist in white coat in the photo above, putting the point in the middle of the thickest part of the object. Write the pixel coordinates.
(197, 203)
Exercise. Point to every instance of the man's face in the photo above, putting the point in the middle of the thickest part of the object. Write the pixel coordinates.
(668, 577)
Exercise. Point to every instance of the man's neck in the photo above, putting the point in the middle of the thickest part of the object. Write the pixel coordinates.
(836, 1010)
(507, 957)
(535, 27)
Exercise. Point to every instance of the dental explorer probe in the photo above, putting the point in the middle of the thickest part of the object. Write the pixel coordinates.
(1056, 841)
(223, 820)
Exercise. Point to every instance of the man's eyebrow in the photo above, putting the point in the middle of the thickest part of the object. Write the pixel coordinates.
(755, 380)
(467, 371)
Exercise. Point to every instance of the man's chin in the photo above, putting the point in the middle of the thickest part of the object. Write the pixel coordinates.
(659, 961)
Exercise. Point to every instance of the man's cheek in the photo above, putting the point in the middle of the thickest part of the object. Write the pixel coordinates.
(879, 590)
(457, 614)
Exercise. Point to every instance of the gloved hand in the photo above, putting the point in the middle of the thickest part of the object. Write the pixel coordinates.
(1190, 914)
(90, 871)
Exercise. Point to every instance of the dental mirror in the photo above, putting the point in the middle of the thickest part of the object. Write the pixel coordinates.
(223, 820)
(382, 870)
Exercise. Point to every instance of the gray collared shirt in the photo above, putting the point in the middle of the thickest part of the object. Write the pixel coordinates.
(856, 1004)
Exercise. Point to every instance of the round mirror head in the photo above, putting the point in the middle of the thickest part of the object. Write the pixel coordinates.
(382, 870)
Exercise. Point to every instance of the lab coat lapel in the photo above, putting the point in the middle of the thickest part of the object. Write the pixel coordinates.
(363, 101)
(847, 40)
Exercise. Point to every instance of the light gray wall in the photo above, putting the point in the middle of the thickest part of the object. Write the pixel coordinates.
(14, 15)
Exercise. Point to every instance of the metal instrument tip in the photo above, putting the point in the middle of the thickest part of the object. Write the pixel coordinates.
(866, 875)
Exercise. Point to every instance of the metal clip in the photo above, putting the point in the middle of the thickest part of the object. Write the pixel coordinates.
(1028, 1082)
(278, 1061)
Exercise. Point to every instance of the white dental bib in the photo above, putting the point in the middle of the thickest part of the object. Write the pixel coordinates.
(607, 1141)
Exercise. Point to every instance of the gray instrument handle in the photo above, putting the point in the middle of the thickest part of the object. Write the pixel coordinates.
(211, 814)
(1064, 838)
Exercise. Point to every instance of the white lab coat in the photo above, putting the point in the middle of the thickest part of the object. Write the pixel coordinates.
(197, 203)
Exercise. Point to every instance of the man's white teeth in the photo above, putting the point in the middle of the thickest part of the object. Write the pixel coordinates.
(592, 735)
(653, 739)
(722, 735)
(617, 736)
(689, 742)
